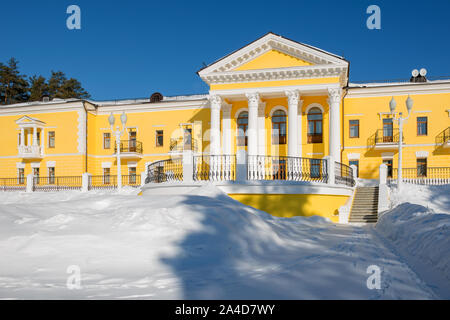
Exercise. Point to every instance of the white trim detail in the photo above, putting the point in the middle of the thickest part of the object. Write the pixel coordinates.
(35, 165)
(81, 131)
(132, 164)
(51, 163)
(106, 165)
(279, 107)
(313, 105)
(236, 114)
(20, 165)
(353, 156)
(422, 154)
(387, 155)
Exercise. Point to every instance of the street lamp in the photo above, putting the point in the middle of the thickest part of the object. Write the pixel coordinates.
(118, 133)
(400, 119)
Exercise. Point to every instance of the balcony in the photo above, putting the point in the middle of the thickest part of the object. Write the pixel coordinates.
(31, 152)
(180, 145)
(386, 139)
(443, 138)
(129, 149)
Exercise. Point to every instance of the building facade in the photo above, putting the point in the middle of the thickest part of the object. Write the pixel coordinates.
(273, 97)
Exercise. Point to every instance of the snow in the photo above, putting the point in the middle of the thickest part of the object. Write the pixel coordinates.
(202, 245)
(419, 228)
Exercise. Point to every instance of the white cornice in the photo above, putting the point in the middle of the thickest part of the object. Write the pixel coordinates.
(400, 89)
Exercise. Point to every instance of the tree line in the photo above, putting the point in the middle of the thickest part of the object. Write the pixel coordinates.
(16, 87)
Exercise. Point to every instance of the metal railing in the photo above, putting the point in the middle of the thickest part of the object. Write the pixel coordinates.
(180, 145)
(287, 168)
(13, 184)
(343, 174)
(387, 136)
(132, 180)
(102, 182)
(422, 175)
(443, 137)
(55, 183)
(315, 138)
(129, 146)
(165, 171)
(214, 167)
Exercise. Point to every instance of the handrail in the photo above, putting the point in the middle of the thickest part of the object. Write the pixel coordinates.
(165, 171)
(443, 137)
(387, 136)
(214, 167)
(423, 175)
(129, 146)
(343, 174)
(180, 144)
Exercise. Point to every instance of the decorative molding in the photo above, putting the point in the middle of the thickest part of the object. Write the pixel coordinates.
(236, 115)
(422, 111)
(422, 154)
(387, 155)
(276, 108)
(106, 164)
(293, 97)
(51, 164)
(132, 164)
(353, 156)
(354, 115)
(253, 99)
(81, 131)
(35, 164)
(312, 105)
(20, 165)
(215, 101)
(334, 96)
(387, 90)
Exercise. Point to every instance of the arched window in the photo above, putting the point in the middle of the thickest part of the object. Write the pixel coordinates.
(315, 125)
(242, 124)
(279, 127)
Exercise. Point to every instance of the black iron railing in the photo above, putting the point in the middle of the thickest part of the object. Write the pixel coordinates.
(387, 136)
(55, 183)
(423, 175)
(343, 174)
(13, 184)
(102, 182)
(180, 145)
(443, 137)
(129, 146)
(165, 171)
(132, 180)
(287, 168)
(214, 167)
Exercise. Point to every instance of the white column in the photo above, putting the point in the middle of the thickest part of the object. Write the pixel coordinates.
(253, 103)
(22, 137)
(226, 129)
(35, 136)
(215, 104)
(299, 129)
(261, 129)
(293, 97)
(334, 102)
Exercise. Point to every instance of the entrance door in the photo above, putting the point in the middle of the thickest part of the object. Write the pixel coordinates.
(132, 141)
(388, 163)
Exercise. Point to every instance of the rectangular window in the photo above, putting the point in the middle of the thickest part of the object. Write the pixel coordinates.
(51, 139)
(132, 174)
(106, 175)
(106, 140)
(355, 163)
(354, 128)
(388, 163)
(38, 138)
(36, 172)
(18, 139)
(315, 168)
(422, 126)
(159, 138)
(21, 176)
(51, 175)
(421, 168)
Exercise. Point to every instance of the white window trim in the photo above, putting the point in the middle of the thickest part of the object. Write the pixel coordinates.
(106, 164)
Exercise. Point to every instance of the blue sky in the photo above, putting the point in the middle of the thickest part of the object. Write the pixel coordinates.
(133, 48)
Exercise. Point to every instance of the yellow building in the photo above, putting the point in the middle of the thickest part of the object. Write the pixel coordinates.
(273, 98)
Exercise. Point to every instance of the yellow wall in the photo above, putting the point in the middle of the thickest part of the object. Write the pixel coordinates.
(273, 59)
(366, 109)
(290, 205)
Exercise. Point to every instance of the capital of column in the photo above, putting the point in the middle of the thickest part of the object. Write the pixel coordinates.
(253, 99)
(334, 95)
(293, 97)
(215, 101)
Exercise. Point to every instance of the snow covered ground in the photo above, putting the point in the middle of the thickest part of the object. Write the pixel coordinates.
(202, 246)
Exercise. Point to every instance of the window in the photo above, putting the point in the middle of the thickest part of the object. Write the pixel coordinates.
(18, 139)
(242, 124)
(354, 128)
(388, 163)
(422, 126)
(106, 175)
(132, 174)
(279, 127)
(132, 135)
(36, 172)
(388, 130)
(315, 168)
(356, 164)
(51, 139)
(315, 125)
(21, 176)
(106, 140)
(51, 175)
(421, 168)
(38, 138)
(159, 138)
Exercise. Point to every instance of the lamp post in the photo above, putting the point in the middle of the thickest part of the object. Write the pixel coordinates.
(118, 133)
(400, 119)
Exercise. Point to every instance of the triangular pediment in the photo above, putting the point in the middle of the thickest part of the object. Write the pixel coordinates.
(274, 54)
(26, 120)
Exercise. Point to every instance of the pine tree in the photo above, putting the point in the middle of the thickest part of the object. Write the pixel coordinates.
(61, 87)
(13, 85)
(38, 87)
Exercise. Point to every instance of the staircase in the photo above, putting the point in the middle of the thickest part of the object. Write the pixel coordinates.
(365, 205)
